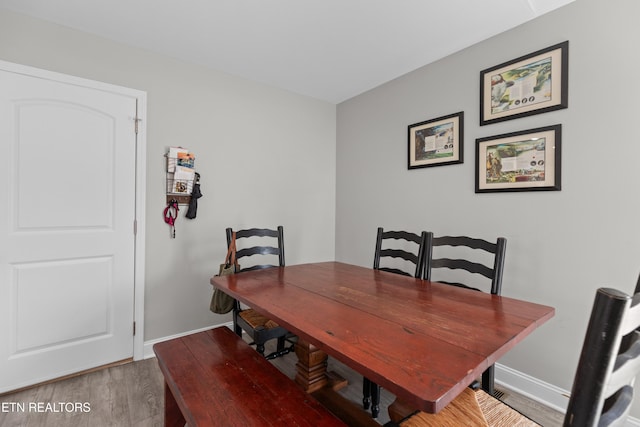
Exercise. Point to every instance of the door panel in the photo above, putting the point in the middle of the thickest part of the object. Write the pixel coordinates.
(84, 163)
(35, 299)
(66, 227)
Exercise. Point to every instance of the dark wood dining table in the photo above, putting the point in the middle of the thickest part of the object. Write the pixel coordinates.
(423, 341)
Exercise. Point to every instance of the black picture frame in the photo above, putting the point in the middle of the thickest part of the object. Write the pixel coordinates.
(528, 160)
(436, 142)
(531, 84)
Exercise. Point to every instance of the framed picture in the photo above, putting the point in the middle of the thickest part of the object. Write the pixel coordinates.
(532, 84)
(436, 142)
(520, 161)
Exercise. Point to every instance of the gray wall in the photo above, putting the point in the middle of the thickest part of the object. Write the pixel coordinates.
(562, 245)
(267, 158)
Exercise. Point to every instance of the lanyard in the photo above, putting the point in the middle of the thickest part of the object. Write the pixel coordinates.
(170, 216)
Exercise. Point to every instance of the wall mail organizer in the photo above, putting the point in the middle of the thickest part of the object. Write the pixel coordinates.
(181, 174)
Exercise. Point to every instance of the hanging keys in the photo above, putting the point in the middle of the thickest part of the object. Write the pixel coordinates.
(171, 215)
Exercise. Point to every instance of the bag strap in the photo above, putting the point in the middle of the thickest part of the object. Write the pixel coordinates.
(231, 252)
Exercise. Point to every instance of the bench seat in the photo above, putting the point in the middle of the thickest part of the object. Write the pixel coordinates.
(214, 378)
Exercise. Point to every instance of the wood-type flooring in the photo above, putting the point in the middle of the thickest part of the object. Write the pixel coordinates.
(132, 395)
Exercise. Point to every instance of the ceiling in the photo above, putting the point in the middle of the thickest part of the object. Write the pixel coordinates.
(327, 49)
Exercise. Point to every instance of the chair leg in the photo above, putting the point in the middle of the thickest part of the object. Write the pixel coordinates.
(280, 344)
(366, 393)
(260, 348)
(488, 380)
(375, 400)
(236, 328)
(279, 353)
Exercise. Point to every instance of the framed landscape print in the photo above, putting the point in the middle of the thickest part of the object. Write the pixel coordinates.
(532, 84)
(436, 142)
(520, 161)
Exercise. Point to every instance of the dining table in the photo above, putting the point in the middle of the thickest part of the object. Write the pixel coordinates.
(421, 340)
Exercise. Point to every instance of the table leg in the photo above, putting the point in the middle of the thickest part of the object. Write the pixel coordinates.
(399, 410)
(312, 376)
(172, 415)
(311, 369)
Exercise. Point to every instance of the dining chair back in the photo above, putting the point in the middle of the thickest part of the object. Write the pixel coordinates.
(399, 252)
(472, 257)
(258, 248)
(403, 247)
(267, 243)
(602, 391)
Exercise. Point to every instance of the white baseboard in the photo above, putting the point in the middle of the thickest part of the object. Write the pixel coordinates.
(148, 345)
(533, 388)
(526, 385)
(540, 391)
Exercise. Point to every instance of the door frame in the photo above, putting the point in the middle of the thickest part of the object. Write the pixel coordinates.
(140, 184)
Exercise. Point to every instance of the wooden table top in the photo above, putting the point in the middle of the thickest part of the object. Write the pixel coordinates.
(423, 341)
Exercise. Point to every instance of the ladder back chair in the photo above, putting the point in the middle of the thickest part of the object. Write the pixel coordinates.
(401, 245)
(602, 392)
(390, 246)
(474, 256)
(267, 246)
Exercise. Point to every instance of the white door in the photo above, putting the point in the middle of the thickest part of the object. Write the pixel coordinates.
(67, 211)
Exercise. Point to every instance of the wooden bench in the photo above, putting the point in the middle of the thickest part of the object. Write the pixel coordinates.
(214, 378)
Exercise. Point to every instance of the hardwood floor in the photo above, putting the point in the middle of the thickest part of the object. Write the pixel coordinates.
(125, 395)
(538, 412)
(133, 395)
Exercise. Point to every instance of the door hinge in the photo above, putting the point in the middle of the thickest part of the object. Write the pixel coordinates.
(134, 328)
(136, 119)
(135, 227)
